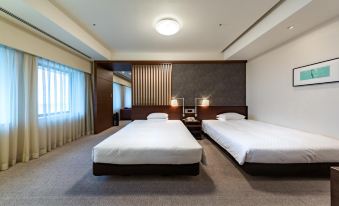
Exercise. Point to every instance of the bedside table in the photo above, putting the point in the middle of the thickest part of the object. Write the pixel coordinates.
(335, 186)
(194, 127)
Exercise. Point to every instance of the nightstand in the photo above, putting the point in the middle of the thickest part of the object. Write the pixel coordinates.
(335, 186)
(194, 127)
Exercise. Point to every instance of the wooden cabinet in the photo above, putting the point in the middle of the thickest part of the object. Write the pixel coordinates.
(335, 186)
(102, 98)
(125, 114)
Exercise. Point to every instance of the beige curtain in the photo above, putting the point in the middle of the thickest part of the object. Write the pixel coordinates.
(19, 138)
(151, 84)
(23, 134)
(69, 123)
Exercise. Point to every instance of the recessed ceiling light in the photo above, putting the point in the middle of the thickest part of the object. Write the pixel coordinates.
(167, 27)
(290, 27)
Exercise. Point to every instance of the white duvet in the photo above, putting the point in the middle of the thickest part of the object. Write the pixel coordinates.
(258, 142)
(149, 142)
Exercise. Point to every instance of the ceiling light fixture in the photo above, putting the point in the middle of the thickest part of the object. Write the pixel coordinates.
(167, 26)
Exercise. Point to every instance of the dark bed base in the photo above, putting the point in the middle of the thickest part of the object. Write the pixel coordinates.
(299, 169)
(268, 169)
(100, 169)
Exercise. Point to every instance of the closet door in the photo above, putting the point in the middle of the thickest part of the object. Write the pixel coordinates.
(103, 99)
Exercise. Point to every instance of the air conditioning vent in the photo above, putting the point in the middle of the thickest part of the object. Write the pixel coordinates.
(41, 31)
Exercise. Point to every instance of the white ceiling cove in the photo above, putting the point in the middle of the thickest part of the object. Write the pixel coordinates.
(312, 15)
(128, 25)
(124, 29)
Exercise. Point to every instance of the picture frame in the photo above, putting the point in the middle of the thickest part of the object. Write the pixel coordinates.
(318, 73)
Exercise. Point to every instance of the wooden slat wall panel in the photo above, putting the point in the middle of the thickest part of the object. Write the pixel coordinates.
(152, 84)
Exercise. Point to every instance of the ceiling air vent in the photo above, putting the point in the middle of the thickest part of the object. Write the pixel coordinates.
(41, 31)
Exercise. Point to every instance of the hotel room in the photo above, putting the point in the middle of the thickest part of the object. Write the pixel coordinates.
(159, 102)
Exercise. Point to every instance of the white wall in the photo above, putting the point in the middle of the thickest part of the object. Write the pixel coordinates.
(271, 97)
(15, 36)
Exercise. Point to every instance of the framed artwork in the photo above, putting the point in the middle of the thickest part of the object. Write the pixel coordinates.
(317, 73)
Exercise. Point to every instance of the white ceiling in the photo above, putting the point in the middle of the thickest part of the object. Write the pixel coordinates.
(128, 25)
(28, 12)
(125, 28)
(312, 15)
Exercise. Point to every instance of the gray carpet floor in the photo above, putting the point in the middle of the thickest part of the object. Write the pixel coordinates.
(64, 177)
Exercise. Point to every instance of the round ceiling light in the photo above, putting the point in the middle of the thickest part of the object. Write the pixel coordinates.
(167, 27)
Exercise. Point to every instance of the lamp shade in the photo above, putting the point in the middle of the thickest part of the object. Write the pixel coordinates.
(205, 103)
(174, 103)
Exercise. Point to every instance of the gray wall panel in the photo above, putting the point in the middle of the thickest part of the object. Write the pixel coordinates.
(224, 84)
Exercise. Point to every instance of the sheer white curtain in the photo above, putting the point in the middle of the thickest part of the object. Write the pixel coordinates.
(43, 105)
(19, 140)
(61, 104)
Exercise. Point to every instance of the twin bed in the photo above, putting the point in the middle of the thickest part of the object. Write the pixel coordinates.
(266, 149)
(155, 146)
(166, 147)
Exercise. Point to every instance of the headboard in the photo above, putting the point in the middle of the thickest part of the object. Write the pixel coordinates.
(211, 112)
(141, 112)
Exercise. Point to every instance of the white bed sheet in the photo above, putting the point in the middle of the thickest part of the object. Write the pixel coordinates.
(149, 142)
(258, 142)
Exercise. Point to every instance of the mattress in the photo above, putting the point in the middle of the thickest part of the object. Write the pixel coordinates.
(149, 142)
(258, 142)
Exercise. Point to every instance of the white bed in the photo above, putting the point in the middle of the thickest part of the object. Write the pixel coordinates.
(257, 142)
(149, 142)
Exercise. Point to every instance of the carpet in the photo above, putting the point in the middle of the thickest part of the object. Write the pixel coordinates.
(64, 177)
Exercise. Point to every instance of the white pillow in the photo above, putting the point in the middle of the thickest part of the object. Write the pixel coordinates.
(230, 116)
(221, 119)
(157, 116)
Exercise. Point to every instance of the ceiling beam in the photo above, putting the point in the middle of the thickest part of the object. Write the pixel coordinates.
(277, 15)
(59, 18)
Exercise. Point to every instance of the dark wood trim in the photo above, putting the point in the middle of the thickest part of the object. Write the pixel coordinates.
(170, 61)
(335, 186)
(102, 120)
(297, 169)
(125, 114)
(109, 65)
(211, 112)
(146, 169)
(94, 90)
(141, 112)
(278, 170)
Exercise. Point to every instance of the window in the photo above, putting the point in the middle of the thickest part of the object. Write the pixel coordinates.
(122, 97)
(128, 97)
(53, 89)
